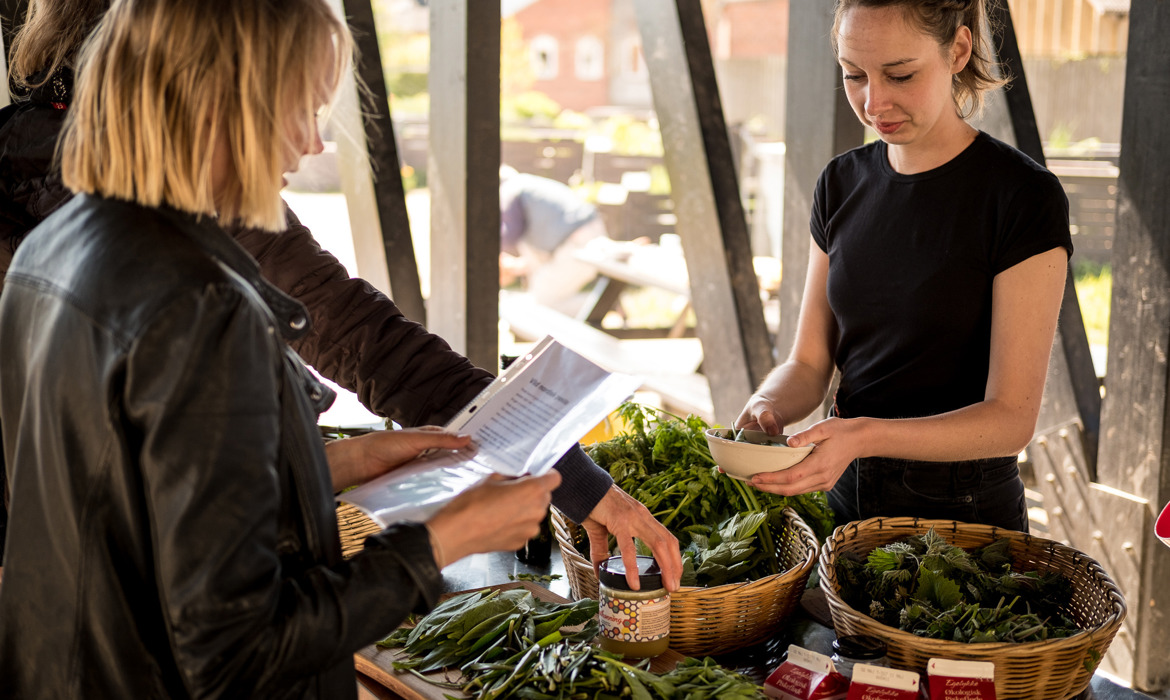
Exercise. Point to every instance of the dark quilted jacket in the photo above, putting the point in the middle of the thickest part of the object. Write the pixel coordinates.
(359, 338)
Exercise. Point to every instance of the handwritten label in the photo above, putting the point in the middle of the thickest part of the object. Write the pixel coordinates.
(961, 680)
(878, 683)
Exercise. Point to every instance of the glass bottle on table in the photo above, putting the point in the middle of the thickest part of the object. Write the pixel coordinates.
(850, 650)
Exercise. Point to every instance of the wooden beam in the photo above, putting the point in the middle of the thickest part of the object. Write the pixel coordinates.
(12, 14)
(819, 124)
(357, 181)
(704, 186)
(463, 176)
(389, 197)
(1078, 32)
(1078, 362)
(1135, 442)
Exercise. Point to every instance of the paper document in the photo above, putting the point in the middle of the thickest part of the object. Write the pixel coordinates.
(521, 424)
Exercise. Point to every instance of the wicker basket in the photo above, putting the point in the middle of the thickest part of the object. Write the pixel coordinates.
(1056, 668)
(723, 618)
(354, 527)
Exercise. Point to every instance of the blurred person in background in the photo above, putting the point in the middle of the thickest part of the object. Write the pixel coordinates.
(542, 224)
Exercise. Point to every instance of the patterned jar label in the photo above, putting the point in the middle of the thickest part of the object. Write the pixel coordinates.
(634, 620)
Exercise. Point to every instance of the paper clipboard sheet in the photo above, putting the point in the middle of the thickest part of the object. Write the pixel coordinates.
(521, 424)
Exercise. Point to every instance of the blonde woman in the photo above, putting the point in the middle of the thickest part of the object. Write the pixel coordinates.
(357, 336)
(934, 284)
(172, 528)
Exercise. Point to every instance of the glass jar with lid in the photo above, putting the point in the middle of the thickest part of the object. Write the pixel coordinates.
(854, 649)
(633, 623)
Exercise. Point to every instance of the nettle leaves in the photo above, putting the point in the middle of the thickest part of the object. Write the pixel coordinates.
(927, 586)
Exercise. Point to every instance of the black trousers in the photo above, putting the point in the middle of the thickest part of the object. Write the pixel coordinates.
(987, 491)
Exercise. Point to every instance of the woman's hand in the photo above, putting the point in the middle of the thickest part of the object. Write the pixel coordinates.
(621, 515)
(838, 442)
(356, 460)
(500, 514)
(760, 414)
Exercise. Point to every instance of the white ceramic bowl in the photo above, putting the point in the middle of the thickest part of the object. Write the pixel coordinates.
(761, 453)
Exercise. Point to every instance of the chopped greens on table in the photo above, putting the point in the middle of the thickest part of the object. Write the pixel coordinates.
(724, 525)
(512, 645)
(929, 587)
(535, 578)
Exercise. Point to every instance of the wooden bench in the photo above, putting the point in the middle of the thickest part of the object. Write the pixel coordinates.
(1091, 187)
(667, 366)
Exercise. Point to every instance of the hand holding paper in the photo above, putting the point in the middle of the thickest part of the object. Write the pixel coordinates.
(521, 424)
(498, 515)
(358, 459)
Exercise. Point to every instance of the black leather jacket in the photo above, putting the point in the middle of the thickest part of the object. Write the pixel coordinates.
(173, 532)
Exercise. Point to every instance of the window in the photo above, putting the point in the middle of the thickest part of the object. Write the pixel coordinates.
(589, 59)
(543, 52)
(633, 65)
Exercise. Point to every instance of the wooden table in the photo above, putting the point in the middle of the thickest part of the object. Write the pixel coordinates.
(620, 267)
(667, 366)
(623, 266)
(376, 665)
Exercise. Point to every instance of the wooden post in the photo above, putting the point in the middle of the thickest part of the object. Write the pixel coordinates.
(388, 231)
(463, 175)
(1135, 441)
(819, 124)
(357, 182)
(12, 13)
(1074, 365)
(716, 243)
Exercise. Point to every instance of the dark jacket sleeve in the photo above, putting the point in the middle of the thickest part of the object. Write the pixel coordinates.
(397, 368)
(360, 339)
(30, 185)
(242, 623)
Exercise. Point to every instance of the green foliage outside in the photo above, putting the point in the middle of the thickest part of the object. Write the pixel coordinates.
(1094, 285)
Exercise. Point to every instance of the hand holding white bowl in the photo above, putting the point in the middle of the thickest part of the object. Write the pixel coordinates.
(756, 452)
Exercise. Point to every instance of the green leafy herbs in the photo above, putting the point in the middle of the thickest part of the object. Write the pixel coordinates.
(725, 526)
(931, 588)
(512, 645)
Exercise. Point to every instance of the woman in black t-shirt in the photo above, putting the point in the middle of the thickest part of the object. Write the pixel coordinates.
(934, 285)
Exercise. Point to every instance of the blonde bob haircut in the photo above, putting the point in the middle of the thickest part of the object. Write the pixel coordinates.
(161, 82)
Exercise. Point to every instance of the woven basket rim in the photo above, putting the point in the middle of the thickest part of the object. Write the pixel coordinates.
(806, 564)
(1109, 626)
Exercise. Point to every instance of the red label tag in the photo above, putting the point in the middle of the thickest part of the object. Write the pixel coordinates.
(806, 675)
(961, 680)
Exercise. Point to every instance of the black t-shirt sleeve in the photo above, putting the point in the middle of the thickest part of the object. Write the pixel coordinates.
(1035, 221)
(818, 220)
